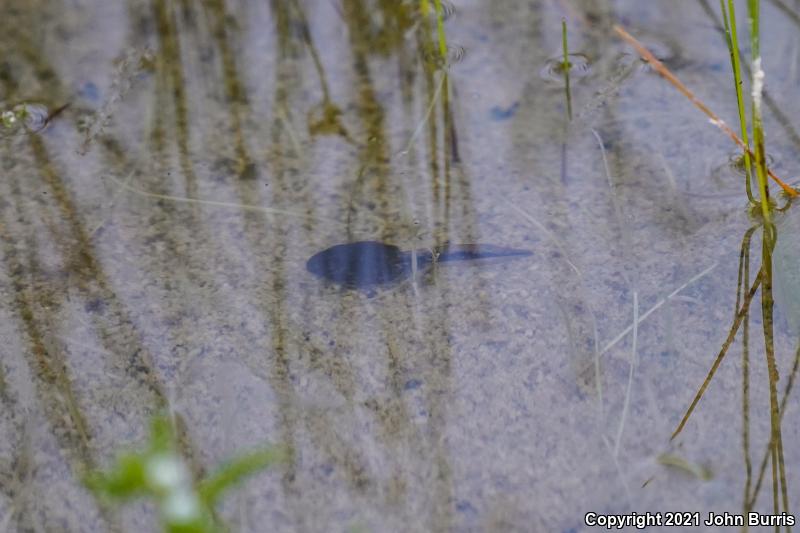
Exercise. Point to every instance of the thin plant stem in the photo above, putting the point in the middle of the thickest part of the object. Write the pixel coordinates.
(613, 342)
(780, 116)
(753, 13)
(733, 47)
(767, 453)
(753, 10)
(565, 255)
(427, 116)
(424, 7)
(631, 370)
(670, 77)
(776, 439)
(721, 355)
(565, 66)
(244, 207)
(440, 29)
(743, 282)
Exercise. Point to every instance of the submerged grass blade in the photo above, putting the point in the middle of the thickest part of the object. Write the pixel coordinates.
(767, 308)
(723, 351)
(596, 339)
(677, 462)
(767, 453)
(742, 283)
(613, 342)
(631, 371)
(243, 207)
(424, 120)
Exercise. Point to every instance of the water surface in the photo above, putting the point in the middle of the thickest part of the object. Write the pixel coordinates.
(154, 239)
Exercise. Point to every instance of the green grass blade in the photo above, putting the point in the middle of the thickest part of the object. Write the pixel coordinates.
(733, 48)
(753, 11)
(565, 66)
(237, 469)
(440, 29)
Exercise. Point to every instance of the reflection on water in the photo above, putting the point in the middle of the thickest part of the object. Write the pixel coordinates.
(155, 232)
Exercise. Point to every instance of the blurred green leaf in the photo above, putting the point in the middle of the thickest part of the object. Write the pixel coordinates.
(160, 472)
(235, 470)
(124, 481)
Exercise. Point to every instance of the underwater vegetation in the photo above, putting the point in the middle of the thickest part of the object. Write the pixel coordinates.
(26, 118)
(158, 472)
(763, 211)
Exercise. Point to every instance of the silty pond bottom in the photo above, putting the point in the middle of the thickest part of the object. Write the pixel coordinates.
(168, 169)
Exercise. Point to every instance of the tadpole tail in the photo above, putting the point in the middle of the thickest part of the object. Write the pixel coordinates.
(464, 252)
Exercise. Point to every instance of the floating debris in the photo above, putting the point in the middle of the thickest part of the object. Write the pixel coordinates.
(128, 69)
(674, 461)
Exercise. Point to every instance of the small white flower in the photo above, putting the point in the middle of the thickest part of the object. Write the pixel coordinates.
(8, 118)
(181, 506)
(166, 472)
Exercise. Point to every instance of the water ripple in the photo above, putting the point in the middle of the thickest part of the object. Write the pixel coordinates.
(553, 69)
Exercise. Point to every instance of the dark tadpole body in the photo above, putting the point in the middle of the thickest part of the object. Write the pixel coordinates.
(368, 264)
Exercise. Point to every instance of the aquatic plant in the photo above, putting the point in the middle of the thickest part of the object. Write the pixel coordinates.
(26, 117)
(11, 117)
(159, 472)
(566, 65)
(425, 8)
(753, 11)
(659, 67)
(732, 40)
(763, 281)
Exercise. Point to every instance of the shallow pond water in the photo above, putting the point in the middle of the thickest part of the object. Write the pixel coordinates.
(155, 234)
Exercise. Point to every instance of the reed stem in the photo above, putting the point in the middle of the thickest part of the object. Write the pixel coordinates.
(733, 48)
(753, 10)
(715, 120)
(424, 7)
(440, 28)
(566, 65)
